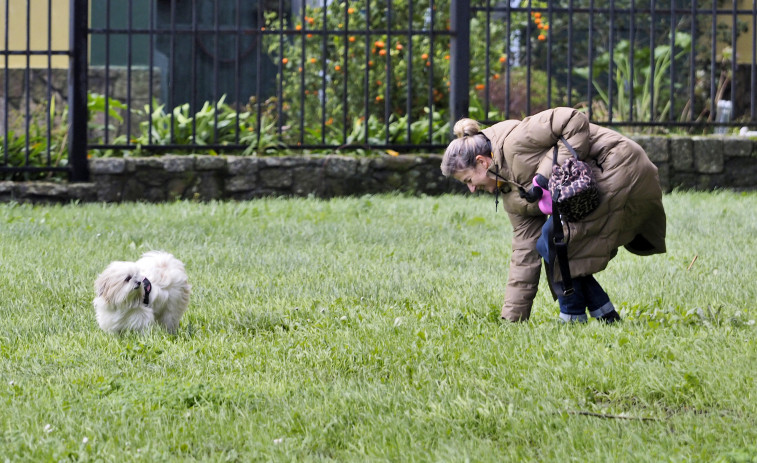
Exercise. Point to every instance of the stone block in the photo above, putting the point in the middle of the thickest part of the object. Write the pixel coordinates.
(85, 192)
(207, 162)
(306, 181)
(683, 180)
(135, 164)
(109, 188)
(395, 180)
(240, 183)
(681, 154)
(276, 178)
(364, 166)
(741, 173)
(209, 186)
(340, 166)
(237, 165)
(284, 161)
(708, 155)
(707, 182)
(176, 188)
(41, 189)
(351, 186)
(134, 191)
(174, 163)
(657, 148)
(738, 147)
(107, 166)
(49, 192)
(399, 163)
(6, 191)
(149, 177)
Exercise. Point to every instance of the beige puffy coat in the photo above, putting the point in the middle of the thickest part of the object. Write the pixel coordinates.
(631, 198)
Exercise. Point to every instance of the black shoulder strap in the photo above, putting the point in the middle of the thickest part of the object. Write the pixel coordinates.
(567, 145)
(561, 247)
(561, 251)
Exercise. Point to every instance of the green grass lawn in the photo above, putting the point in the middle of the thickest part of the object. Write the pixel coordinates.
(367, 329)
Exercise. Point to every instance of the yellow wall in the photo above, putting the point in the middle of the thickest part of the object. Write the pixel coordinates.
(38, 40)
(744, 42)
(59, 31)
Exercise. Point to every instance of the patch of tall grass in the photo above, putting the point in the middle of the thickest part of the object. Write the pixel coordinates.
(368, 329)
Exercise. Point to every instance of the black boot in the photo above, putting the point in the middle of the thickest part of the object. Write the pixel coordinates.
(610, 317)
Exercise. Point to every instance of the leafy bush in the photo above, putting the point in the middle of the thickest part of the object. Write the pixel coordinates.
(649, 99)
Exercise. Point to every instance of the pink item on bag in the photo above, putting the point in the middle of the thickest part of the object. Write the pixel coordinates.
(545, 203)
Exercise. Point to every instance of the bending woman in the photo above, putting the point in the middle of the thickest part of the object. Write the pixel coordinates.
(506, 158)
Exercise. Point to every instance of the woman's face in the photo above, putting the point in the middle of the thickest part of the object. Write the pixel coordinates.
(476, 177)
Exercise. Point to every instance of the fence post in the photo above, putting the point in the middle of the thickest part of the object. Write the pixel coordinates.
(77, 91)
(459, 98)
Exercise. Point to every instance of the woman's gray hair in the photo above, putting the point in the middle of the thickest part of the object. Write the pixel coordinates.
(461, 153)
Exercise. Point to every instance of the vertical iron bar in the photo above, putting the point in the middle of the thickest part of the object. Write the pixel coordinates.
(280, 67)
(460, 59)
(346, 67)
(258, 70)
(632, 40)
(713, 48)
(216, 51)
(77, 91)
(672, 61)
(610, 79)
(27, 83)
(151, 62)
(591, 59)
(50, 117)
(237, 70)
(171, 67)
(324, 72)
(528, 58)
(367, 77)
(106, 91)
(409, 90)
(734, 27)
(430, 62)
(129, 32)
(753, 103)
(388, 75)
(692, 64)
(302, 75)
(653, 24)
(549, 55)
(195, 40)
(6, 76)
(508, 44)
(569, 86)
(487, 67)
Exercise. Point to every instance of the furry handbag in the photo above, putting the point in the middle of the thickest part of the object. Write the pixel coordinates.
(572, 186)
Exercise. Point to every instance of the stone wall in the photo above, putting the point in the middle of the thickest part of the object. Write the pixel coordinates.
(204, 178)
(700, 163)
(703, 163)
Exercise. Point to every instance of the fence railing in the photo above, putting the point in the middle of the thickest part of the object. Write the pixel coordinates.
(217, 76)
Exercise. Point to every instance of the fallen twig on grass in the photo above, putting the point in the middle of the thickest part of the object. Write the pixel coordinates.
(613, 417)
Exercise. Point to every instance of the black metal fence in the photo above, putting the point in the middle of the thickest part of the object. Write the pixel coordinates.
(256, 77)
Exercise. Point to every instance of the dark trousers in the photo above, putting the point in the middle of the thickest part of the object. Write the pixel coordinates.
(587, 293)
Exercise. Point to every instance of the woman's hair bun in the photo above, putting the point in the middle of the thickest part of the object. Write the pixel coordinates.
(466, 128)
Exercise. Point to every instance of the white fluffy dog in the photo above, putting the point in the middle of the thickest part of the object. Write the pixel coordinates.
(135, 295)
